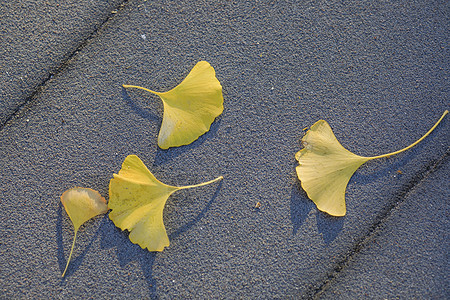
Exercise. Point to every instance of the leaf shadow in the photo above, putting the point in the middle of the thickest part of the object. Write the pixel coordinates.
(198, 217)
(137, 107)
(75, 261)
(329, 226)
(59, 240)
(300, 206)
(163, 156)
(381, 168)
(113, 237)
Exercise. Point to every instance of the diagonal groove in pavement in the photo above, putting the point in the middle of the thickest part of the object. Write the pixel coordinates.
(317, 290)
(82, 44)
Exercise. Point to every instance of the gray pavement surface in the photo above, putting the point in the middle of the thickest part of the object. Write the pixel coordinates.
(37, 38)
(408, 257)
(377, 72)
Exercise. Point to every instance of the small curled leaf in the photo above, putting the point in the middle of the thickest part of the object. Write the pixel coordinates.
(82, 204)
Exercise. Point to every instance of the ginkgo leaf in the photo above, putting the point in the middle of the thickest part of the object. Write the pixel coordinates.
(137, 200)
(82, 204)
(325, 166)
(189, 108)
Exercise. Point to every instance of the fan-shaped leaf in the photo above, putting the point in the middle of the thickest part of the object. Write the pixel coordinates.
(189, 108)
(137, 201)
(325, 166)
(82, 204)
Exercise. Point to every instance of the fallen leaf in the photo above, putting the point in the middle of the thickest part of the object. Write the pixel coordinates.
(189, 108)
(325, 166)
(82, 204)
(137, 200)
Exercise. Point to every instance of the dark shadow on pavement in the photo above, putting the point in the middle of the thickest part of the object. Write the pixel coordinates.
(200, 215)
(59, 240)
(127, 252)
(329, 226)
(138, 109)
(380, 168)
(300, 206)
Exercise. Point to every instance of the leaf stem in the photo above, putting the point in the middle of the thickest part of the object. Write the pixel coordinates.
(70, 255)
(201, 184)
(139, 87)
(416, 142)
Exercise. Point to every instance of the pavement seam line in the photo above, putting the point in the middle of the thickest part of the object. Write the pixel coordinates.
(317, 290)
(29, 100)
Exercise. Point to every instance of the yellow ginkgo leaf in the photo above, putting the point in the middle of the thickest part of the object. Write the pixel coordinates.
(82, 204)
(137, 200)
(189, 108)
(325, 166)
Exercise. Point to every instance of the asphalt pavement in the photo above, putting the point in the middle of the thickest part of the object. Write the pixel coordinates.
(377, 72)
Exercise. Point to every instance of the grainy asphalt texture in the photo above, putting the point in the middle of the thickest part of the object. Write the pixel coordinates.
(408, 257)
(376, 71)
(37, 38)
